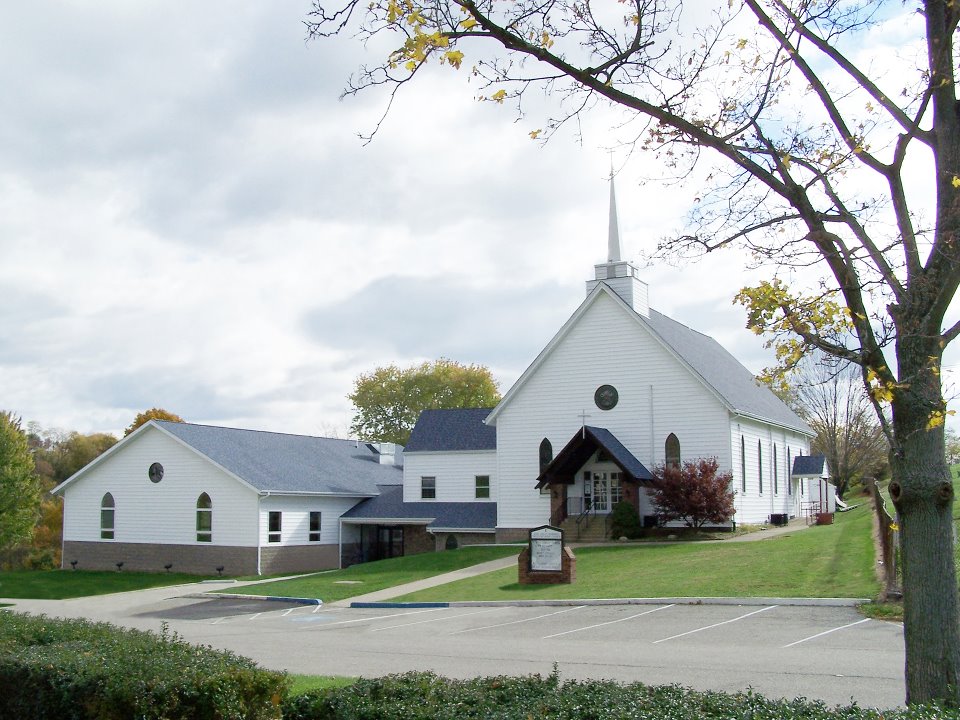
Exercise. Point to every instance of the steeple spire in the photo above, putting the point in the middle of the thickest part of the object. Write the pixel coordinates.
(613, 240)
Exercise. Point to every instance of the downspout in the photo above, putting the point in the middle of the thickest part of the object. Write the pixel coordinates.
(340, 543)
(263, 494)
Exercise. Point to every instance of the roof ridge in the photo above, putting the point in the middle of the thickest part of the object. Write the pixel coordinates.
(259, 432)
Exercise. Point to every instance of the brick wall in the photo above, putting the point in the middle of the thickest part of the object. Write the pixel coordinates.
(283, 559)
(417, 540)
(512, 535)
(152, 557)
(463, 539)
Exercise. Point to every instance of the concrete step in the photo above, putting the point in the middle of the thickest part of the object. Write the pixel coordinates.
(591, 530)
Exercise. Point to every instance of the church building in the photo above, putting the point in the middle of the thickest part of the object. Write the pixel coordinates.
(619, 390)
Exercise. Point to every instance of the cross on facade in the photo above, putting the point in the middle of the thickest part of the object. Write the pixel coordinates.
(583, 422)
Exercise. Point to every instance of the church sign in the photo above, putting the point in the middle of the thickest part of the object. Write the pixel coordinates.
(546, 549)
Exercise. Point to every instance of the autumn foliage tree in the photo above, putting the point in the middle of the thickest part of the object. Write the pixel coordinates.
(388, 400)
(696, 493)
(831, 138)
(151, 414)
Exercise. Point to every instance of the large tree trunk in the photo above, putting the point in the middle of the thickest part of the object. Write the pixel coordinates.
(922, 492)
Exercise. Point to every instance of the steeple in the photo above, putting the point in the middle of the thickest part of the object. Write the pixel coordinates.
(621, 276)
(613, 239)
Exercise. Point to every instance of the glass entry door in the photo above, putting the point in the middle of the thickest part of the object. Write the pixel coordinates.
(601, 490)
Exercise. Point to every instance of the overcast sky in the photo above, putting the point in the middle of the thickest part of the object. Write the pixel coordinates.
(189, 220)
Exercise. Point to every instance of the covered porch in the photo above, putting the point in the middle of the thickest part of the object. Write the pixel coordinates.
(588, 478)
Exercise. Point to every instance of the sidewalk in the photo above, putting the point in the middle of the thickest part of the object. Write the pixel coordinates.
(387, 594)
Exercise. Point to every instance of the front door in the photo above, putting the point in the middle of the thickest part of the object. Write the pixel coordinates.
(389, 542)
(601, 490)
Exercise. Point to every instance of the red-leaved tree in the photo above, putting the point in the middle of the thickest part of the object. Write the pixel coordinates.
(695, 493)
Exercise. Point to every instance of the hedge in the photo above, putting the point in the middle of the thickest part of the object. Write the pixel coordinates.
(424, 696)
(79, 670)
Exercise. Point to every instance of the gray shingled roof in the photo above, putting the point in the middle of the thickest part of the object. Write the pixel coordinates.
(457, 429)
(813, 465)
(724, 373)
(281, 463)
(389, 505)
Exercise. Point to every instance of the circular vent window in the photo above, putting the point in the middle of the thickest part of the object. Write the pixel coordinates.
(155, 472)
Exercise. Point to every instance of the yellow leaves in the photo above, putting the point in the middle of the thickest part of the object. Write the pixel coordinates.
(937, 418)
(499, 96)
(741, 43)
(956, 181)
(534, 134)
(453, 57)
(545, 40)
(468, 23)
(785, 159)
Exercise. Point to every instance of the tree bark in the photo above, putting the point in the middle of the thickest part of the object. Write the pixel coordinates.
(922, 492)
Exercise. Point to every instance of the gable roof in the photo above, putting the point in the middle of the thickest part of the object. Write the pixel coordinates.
(270, 462)
(458, 429)
(389, 505)
(581, 446)
(719, 371)
(722, 372)
(809, 466)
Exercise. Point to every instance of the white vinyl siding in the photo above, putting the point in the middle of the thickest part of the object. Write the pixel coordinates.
(752, 507)
(657, 396)
(162, 512)
(296, 511)
(455, 474)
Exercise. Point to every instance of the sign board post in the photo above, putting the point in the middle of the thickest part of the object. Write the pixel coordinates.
(546, 560)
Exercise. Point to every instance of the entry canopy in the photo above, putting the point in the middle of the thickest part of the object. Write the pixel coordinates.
(565, 466)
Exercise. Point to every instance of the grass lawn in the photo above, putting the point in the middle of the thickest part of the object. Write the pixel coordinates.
(823, 561)
(63, 584)
(368, 577)
(300, 684)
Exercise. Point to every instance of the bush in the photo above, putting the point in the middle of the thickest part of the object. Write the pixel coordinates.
(624, 522)
(76, 669)
(424, 696)
(696, 493)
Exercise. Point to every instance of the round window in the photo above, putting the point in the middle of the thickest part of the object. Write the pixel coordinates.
(606, 397)
(155, 473)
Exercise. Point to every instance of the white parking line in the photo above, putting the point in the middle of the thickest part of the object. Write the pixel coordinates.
(725, 622)
(380, 617)
(517, 622)
(441, 619)
(609, 622)
(827, 632)
(255, 616)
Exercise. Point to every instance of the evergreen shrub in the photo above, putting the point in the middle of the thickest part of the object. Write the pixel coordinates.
(79, 670)
(424, 696)
(624, 521)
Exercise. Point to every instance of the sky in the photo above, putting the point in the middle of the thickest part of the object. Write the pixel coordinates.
(189, 220)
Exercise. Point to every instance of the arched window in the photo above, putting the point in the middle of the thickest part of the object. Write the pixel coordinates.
(204, 518)
(776, 471)
(107, 508)
(546, 454)
(743, 465)
(760, 464)
(546, 457)
(671, 450)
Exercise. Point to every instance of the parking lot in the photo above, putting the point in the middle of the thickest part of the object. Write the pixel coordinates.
(830, 653)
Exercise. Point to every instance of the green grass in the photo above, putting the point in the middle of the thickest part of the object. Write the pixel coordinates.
(63, 584)
(368, 577)
(822, 561)
(300, 684)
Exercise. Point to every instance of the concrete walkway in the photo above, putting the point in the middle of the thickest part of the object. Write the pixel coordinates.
(106, 606)
(795, 525)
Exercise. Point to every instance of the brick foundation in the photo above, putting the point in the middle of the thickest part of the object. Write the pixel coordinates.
(283, 559)
(512, 535)
(149, 557)
(463, 539)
